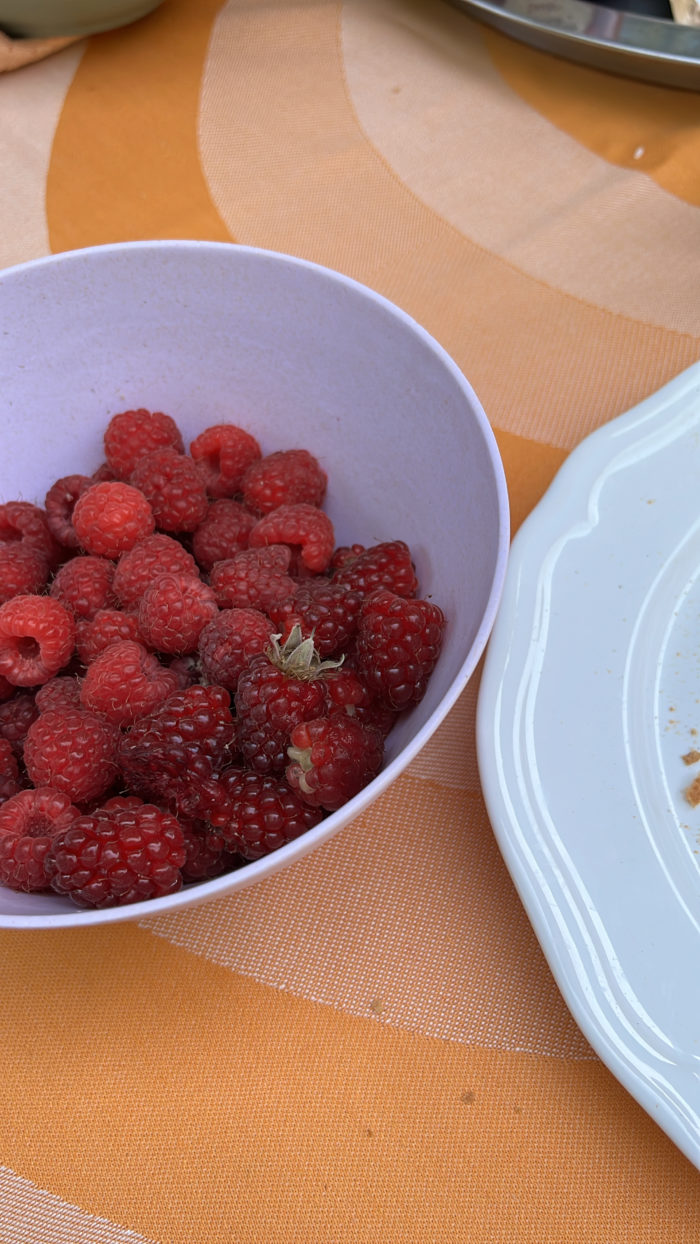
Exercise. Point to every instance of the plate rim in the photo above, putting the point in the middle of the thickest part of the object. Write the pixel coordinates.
(571, 487)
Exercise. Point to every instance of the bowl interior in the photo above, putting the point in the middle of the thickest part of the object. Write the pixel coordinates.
(302, 357)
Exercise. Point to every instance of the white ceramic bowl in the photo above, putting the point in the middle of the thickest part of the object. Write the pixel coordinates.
(302, 356)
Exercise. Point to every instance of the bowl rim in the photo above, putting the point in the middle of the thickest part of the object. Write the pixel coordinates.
(256, 870)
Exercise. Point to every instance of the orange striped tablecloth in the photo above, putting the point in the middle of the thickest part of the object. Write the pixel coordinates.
(368, 1046)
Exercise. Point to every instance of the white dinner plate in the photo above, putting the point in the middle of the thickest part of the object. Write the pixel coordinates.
(588, 710)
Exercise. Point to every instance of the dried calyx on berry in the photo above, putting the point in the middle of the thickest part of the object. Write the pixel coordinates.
(298, 657)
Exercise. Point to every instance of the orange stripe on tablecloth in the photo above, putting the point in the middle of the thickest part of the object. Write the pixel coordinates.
(652, 129)
(125, 161)
(162, 1092)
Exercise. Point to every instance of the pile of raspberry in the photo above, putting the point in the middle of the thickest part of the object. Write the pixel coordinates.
(192, 674)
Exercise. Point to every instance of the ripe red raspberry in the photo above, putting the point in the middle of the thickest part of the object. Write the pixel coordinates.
(117, 855)
(21, 522)
(73, 751)
(287, 477)
(322, 609)
(254, 578)
(30, 822)
(175, 489)
(63, 691)
(9, 771)
(332, 759)
(109, 626)
(207, 855)
(6, 689)
(223, 532)
(301, 526)
(156, 555)
(103, 474)
(124, 682)
(175, 754)
(173, 611)
(273, 695)
(386, 565)
(84, 585)
(260, 813)
(23, 570)
(228, 644)
(132, 434)
(109, 518)
(16, 716)
(343, 554)
(37, 637)
(222, 454)
(398, 644)
(60, 503)
(347, 693)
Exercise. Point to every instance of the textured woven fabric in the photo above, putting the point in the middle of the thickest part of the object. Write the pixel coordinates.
(368, 1045)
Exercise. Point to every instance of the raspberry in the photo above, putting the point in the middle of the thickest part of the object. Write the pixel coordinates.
(37, 636)
(9, 771)
(6, 689)
(174, 488)
(287, 477)
(73, 751)
(176, 753)
(103, 474)
(322, 609)
(109, 518)
(155, 555)
(124, 682)
(16, 716)
(109, 626)
(273, 695)
(21, 522)
(117, 855)
(173, 611)
(63, 691)
(343, 554)
(398, 644)
(60, 503)
(132, 434)
(254, 578)
(84, 585)
(228, 644)
(298, 525)
(260, 813)
(386, 565)
(23, 570)
(206, 853)
(30, 823)
(222, 454)
(332, 759)
(186, 671)
(347, 693)
(223, 532)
